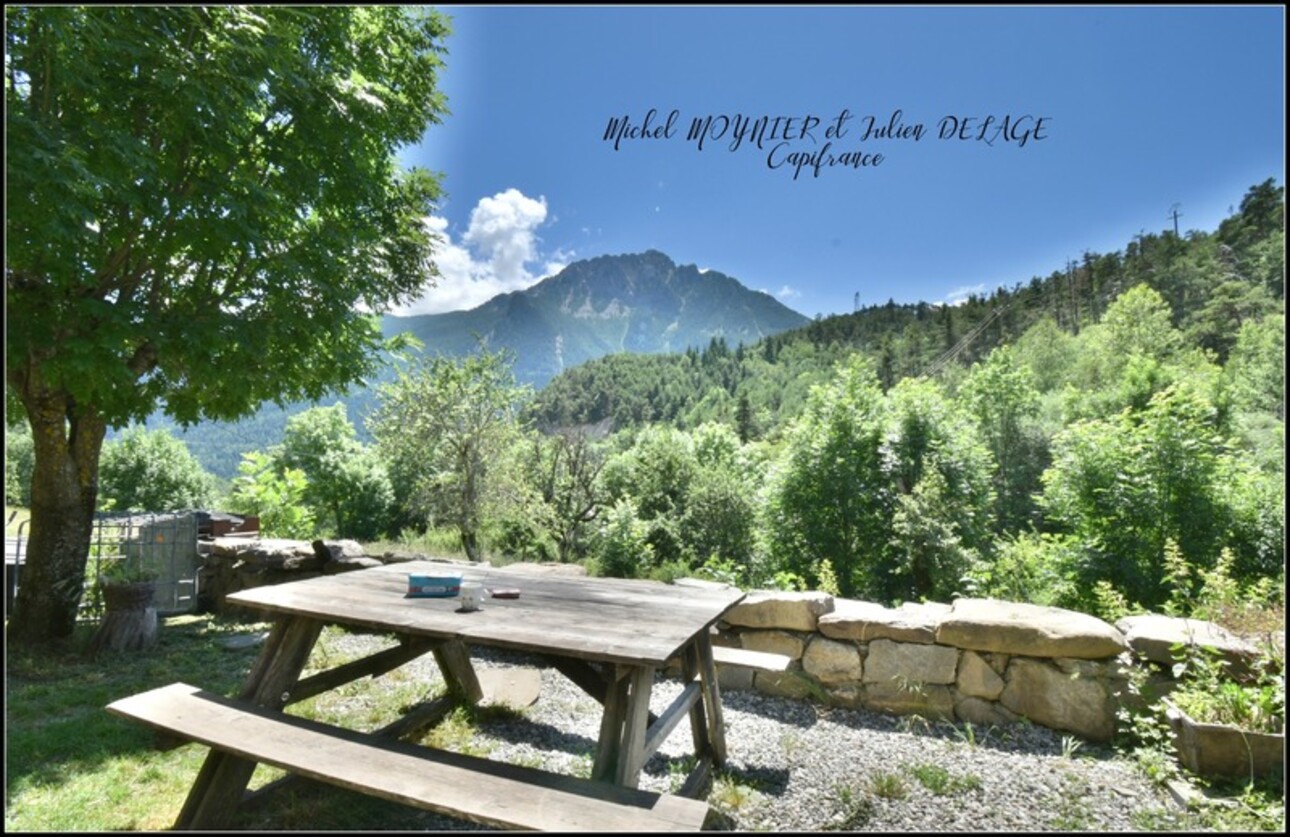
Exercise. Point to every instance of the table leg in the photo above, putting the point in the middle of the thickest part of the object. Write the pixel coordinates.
(453, 658)
(711, 697)
(698, 718)
(635, 722)
(223, 778)
(611, 725)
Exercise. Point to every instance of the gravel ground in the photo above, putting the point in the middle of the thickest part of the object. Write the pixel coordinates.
(800, 766)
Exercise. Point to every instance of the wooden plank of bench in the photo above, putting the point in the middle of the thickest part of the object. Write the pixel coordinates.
(760, 660)
(479, 790)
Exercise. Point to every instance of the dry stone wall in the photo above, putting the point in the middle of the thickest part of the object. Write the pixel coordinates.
(981, 661)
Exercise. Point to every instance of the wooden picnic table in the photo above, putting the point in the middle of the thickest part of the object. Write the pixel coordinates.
(610, 636)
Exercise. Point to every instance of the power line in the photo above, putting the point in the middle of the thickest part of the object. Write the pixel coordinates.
(972, 334)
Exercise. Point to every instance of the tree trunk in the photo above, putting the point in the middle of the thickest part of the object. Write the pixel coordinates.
(130, 623)
(64, 489)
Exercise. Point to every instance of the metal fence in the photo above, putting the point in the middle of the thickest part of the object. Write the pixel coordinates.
(15, 555)
(164, 544)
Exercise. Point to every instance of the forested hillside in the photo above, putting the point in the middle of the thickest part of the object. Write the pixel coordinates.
(1212, 281)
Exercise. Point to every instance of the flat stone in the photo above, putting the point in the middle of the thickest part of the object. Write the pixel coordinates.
(977, 678)
(930, 701)
(346, 563)
(865, 621)
(779, 609)
(241, 642)
(1050, 697)
(831, 662)
(1154, 636)
(773, 642)
(512, 687)
(906, 662)
(1028, 630)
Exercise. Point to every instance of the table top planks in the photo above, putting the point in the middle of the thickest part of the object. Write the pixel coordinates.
(599, 619)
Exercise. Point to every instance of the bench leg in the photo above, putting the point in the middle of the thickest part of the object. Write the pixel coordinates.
(223, 777)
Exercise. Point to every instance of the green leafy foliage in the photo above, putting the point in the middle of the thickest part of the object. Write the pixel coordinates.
(347, 484)
(1126, 485)
(622, 549)
(19, 464)
(275, 496)
(444, 426)
(145, 470)
(829, 498)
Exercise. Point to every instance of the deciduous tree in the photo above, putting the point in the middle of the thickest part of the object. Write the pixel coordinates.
(201, 203)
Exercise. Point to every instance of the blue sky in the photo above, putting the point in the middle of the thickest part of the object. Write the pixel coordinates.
(1143, 109)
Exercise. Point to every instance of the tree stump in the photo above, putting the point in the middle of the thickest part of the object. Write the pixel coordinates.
(130, 620)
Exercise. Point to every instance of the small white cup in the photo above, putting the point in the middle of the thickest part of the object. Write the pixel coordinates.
(470, 595)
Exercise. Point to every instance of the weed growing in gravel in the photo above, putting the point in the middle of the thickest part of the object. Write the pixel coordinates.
(678, 770)
(915, 725)
(888, 785)
(1258, 808)
(1070, 744)
(457, 732)
(855, 809)
(939, 781)
(791, 743)
(728, 794)
(584, 765)
(966, 733)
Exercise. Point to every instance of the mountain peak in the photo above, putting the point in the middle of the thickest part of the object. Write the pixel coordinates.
(633, 302)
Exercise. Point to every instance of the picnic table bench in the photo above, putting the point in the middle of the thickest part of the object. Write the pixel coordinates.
(476, 789)
(610, 636)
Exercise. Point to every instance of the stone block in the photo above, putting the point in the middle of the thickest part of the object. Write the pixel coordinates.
(1154, 636)
(831, 662)
(928, 700)
(890, 661)
(1028, 630)
(866, 621)
(778, 609)
(783, 684)
(982, 713)
(977, 678)
(1048, 696)
(773, 642)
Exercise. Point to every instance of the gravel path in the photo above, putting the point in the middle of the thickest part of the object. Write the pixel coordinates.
(800, 766)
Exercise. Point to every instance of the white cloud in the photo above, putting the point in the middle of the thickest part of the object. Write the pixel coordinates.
(491, 258)
(960, 295)
(787, 293)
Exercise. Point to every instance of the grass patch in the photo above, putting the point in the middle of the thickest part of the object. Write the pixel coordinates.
(71, 766)
(855, 809)
(728, 794)
(887, 785)
(941, 782)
